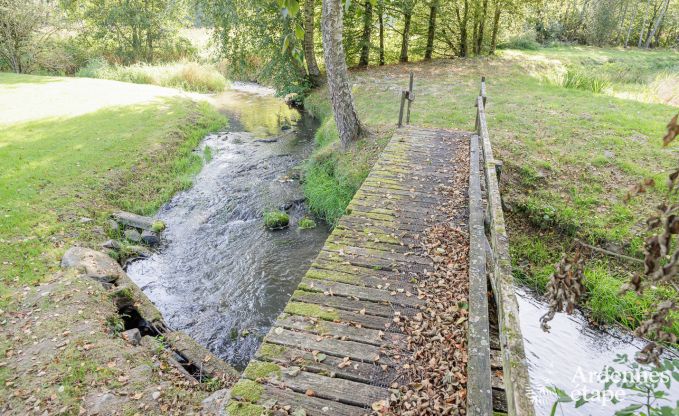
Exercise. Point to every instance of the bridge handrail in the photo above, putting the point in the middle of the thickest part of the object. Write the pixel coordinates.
(516, 377)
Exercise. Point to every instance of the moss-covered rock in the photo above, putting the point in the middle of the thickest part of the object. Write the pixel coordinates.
(276, 220)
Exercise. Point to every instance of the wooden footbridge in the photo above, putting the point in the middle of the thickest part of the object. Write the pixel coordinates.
(336, 349)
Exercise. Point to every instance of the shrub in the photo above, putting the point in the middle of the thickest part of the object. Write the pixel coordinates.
(581, 81)
(525, 41)
(276, 220)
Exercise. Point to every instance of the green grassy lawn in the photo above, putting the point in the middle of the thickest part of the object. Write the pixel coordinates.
(570, 154)
(55, 172)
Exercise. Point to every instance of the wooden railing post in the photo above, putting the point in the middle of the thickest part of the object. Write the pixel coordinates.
(411, 97)
(404, 95)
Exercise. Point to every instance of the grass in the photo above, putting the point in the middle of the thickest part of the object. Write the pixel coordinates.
(570, 154)
(275, 220)
(188, 76)
(53, 172)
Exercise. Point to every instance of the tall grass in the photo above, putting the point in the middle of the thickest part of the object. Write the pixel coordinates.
(188, 76)
(582, 81)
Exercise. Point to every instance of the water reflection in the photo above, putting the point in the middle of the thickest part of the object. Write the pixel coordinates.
(567, 355)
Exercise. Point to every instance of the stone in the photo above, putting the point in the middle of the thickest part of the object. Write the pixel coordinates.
(101, 403)
(215, 404)
(111, 244)
(138, 251)
(113, 225)
(133, 220)
(133, 336)
(608, 154)
(150, 238)
(94, 264)
(132, 235)
(155, 395)
(85, 220)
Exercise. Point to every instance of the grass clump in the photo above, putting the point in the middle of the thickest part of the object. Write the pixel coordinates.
(583, 81)
(158, 226)
(306, 224)
(189, 76)
(276, 220)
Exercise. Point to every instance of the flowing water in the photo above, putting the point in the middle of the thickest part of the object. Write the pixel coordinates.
(570, 356)
(220, 276)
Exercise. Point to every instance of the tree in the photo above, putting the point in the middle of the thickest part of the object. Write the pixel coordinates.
(381, 23)
(406, 7)
(309, 53)
(658, 21)
(24, 26)
(431, 31)
(496, 26)
(462, 24)
(365, 38)
(348, 124)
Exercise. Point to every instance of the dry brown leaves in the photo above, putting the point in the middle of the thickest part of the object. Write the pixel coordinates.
(565, 288)
(437, 335)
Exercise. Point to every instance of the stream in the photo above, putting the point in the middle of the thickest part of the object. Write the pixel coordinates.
(220, 276)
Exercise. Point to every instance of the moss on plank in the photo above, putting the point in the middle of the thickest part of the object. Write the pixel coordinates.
(307, 309)
(271, 351)
(247, 390)
(244, 409)
(259, 369)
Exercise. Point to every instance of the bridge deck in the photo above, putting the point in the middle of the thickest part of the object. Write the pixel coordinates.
(335, 349)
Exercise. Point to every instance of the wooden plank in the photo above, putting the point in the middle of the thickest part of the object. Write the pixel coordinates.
(341, 302)
(312, 406)
(327, 364)
(341, 331)
(406, 258)
(338, 315)
(479, 397)
(364, 293)
(356, 351)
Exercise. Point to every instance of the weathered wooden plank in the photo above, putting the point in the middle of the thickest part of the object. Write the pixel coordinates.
(397, 296)
(407, 257)
(479, 397)
(337, 315)
(356, 351)
(312, 406)
(341, 331)
(341, 302)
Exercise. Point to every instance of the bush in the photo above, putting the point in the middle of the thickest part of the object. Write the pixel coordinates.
(525, 41)
(187, 76)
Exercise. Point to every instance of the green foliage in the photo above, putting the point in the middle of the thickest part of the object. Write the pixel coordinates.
(275, 220)
(583, 81)
(525, 41)
(189, 76)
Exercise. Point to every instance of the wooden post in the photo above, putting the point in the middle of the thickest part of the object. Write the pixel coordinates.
(482, 93)
(400, 112)
(410, 97)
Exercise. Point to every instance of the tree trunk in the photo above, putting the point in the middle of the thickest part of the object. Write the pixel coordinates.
(463, 28)
(496, 26)
(479, 40)
(631, 23)
(348, 125)
(406, 36)
(309, 50)
(619, 29)
(432, 30)
(643, 24)
(381, 5)
(365, 39)
(475, 33)
(658, 21)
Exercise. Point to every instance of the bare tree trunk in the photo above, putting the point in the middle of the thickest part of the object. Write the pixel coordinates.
(618, 30)
(348, 125)
(309, 52)
(658, 21)
(496, 26)
(365, 39)
(475, 34)
(406, 36)
(631, 23)
(462, 22)
(381, 6)
(479, 40)
(433, 9)
(643, 24)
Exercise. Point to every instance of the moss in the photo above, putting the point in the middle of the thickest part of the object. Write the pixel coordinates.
(336, 277)
(307, 309)
(271, 351)
(275, 220)
(247, 390)
(158, 226)
(244, 409)
(258, 369)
